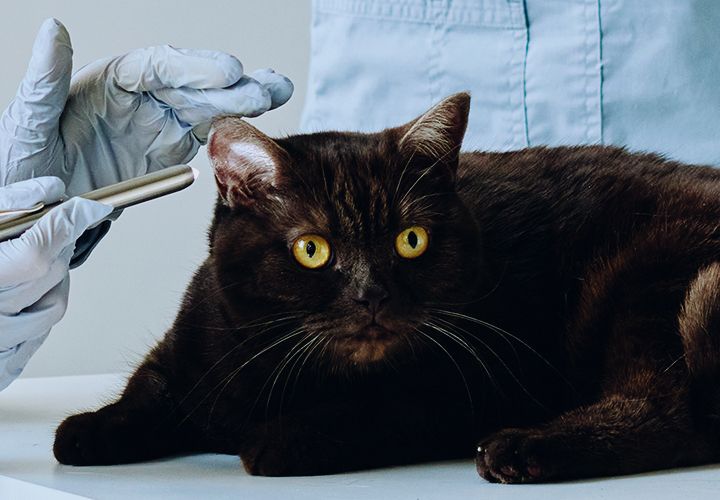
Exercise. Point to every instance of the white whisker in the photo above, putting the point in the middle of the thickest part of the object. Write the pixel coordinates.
(231, 351)
(458, 340)
(499, 331)
(457, 366)
(233, 373)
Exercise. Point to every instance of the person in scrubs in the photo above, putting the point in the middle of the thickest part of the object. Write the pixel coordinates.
(637, 73)
(644, 74)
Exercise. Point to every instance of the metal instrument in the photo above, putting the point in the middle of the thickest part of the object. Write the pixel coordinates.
(120, 196)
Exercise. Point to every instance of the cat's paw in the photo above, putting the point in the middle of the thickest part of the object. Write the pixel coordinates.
(264, 462)
(86, 439)
(104, 437)
(273, 461)
(277, 461)
(281, 455)
(517, 456)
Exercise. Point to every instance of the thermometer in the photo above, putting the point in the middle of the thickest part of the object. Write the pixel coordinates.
(119, 196)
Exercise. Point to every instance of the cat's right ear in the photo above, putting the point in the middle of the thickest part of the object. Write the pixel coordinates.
(244, 159)
(438, 133)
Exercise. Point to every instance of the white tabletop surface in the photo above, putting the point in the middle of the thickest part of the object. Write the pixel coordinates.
(30, 410)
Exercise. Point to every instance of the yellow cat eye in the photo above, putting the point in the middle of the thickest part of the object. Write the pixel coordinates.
(412, 242)
(311, 251)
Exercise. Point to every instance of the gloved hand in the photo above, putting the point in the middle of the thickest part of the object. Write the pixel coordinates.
(34, 277)
(124, 116)
(115, 119)
(121, 117)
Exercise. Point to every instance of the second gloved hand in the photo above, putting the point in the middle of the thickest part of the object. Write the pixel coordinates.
(34, 276)
(125, 116)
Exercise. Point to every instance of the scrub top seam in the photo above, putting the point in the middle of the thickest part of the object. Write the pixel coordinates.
(435, 60)
(489, 13)
(601, 71)
(524, 72)
(517, 138)
(591, 42)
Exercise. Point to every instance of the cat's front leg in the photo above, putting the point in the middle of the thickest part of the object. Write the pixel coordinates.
(291, 447)
(139, 426)
(323, 440)
(527, 456)
(351, 436)
(621, 434)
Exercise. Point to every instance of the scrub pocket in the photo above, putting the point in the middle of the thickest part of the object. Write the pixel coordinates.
(661, 88)
(380, 63)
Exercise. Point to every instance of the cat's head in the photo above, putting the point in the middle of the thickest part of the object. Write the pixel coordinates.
(355, 236)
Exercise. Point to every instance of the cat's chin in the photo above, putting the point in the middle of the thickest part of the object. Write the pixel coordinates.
(369, 345)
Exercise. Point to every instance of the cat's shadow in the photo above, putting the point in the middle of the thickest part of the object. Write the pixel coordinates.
(209, 466)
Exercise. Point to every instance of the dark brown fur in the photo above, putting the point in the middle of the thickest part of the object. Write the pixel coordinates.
(565, 316)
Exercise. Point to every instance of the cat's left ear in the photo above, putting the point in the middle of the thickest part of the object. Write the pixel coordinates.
(245, 161)
(437, 134)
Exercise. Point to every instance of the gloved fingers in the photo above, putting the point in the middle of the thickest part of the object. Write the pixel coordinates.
(35, 321)
(25, 194)
(33, 116)
(29, 257)
(198, 107)
(14, 299)
(173, 145)
(164, 66)
(279, 86)
(193, 106)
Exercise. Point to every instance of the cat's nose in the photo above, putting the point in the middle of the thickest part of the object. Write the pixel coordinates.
(372, 297)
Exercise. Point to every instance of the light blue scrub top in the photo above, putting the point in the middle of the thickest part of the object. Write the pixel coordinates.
(639, 73)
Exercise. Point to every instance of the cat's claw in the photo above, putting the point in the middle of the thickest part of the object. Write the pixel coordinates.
(513, 456)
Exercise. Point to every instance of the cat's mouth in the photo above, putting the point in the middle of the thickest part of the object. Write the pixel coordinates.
(374, 331)
(369, 344)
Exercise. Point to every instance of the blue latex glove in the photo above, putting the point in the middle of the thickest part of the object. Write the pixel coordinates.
(34, 276)
(124, 116)
(115, 119)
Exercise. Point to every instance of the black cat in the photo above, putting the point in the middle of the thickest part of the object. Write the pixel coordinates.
(377, 299)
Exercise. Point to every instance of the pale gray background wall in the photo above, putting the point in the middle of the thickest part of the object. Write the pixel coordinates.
(127, 294)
